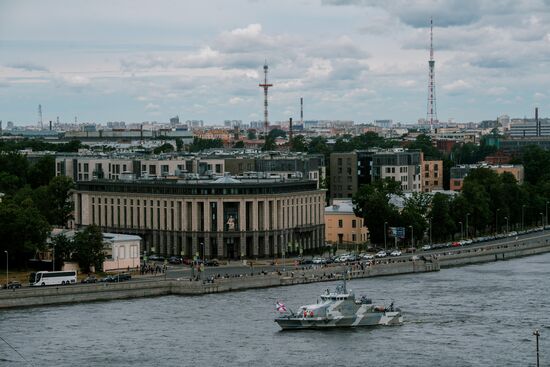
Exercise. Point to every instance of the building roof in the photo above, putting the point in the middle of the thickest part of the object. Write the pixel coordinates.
(116, 237)
(340, 207)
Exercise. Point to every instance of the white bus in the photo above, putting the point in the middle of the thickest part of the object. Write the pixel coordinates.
(53, 278)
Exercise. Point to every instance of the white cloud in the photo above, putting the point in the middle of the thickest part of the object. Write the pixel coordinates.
(457, 86)
(152, 107)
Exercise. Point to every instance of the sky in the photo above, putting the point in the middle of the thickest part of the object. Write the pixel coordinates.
(358, 60)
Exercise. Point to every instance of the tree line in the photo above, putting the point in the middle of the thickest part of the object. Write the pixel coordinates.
(34, 201)
(488, 203)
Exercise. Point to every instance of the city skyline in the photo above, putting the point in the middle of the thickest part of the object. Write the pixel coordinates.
(353, 60)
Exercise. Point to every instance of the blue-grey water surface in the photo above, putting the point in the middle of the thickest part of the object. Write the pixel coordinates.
(480, 315)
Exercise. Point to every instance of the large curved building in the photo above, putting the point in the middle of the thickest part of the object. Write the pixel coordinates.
(224, 217)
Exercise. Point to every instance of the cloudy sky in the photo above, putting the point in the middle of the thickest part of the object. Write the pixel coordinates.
(349, 59)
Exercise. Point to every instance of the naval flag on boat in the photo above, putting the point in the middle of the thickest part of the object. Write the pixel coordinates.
(280, 307)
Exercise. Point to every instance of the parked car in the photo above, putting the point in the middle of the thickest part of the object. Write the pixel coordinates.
(156, 258)
(12, 284)
(426, 247)
(89, 279)
(319, 260)
(395, 253)
(368, 257)
(212, 262)
(175, 260)
(455, 244)
(381, 254)
(108, 279)
(123, 277)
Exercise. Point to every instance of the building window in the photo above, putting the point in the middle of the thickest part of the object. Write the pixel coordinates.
(354, 223)
(353, 237)
(436, 183)
(340, 223)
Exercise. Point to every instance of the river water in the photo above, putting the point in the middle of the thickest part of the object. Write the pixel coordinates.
(478, 315)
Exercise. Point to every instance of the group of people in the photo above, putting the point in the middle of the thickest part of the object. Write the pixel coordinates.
(152, 269)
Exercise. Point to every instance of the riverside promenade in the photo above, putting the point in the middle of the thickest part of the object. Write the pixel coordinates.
(503, 249)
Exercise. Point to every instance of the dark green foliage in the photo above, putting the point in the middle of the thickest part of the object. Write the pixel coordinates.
(202, 144)
(179, 144)
(372, 203)
(251, 135)
(39, 145)
(63, 248)
(298, 144)
(23, 230)
(164, 148)
(239, 144)
(88, 246)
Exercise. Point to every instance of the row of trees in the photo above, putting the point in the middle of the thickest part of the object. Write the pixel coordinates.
(488, 203)
(34, 201)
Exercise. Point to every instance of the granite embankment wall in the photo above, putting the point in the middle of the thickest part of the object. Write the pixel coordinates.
(506, 249)
(41, 296)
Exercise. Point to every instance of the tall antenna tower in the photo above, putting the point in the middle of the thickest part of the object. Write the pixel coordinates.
(431, 115)
(265, 86)
(302, 111)
(40, 116)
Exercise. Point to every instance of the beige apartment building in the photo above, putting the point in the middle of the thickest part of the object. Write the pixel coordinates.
(342, 226)
(432, 175)
(225, 217)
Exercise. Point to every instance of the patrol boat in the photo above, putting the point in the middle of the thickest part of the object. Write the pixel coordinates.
(337, 309)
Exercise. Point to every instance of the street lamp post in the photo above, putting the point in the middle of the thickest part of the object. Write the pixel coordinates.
(430, 231)
(412, 236)
(523, 217)
(541, 219)
(7, 271)
(385, 234)
(467, 233)
(506, 218)
(546, 216)
(461, 229)
(283, 248)
(203, 266)
(496, 220)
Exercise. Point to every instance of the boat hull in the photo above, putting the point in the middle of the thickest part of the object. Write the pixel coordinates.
(371, 319)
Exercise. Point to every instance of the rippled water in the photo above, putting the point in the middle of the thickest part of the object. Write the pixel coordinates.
(480, 315)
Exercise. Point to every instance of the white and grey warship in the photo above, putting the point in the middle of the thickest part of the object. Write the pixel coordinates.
(339, 309)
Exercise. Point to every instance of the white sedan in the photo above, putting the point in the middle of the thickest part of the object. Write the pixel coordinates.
(426, 247)
(381, 254)
(395, 253)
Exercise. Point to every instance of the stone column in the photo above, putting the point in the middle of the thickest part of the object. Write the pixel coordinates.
(243, 244)
(221, 244)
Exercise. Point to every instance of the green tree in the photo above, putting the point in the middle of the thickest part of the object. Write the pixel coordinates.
(371, 202)
(203, 144)
(239, 144)
(23, 229)
(41, 172)
(179, 144)
(251, 135)
(59, 195)
(164, 148)
(298, 144)
(414, 214)
(269, 143)
(276, 133)
(63, 248)
(89, 248)
(443, 224)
